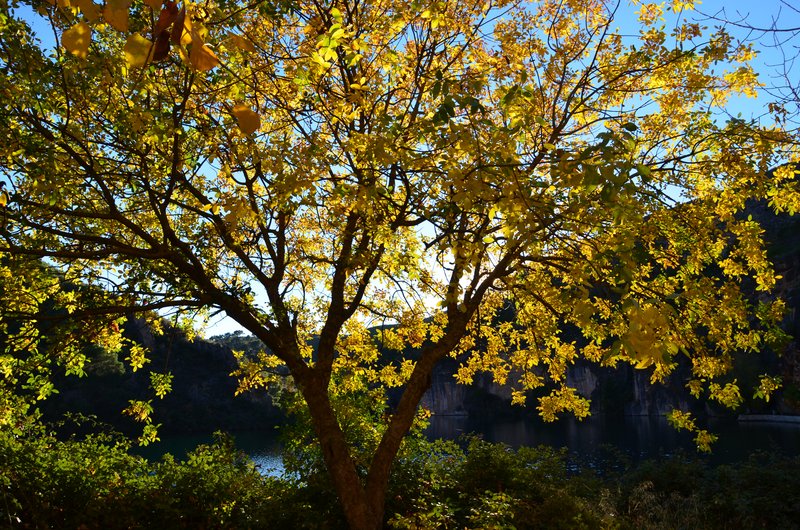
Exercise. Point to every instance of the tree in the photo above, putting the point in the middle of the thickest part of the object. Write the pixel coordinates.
(315, 170)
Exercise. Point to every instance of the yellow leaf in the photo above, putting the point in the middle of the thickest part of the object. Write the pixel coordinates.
(248, 120)
(683, 5)
(201, 57)
(199, 31)
(116, 14)
(138, 50)
(183, 55)
(186, 32)
(243, 43)
(88, 8)
(155, 5)
(317, 58)
(76, 39)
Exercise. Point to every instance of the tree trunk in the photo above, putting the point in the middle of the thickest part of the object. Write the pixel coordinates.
(358, 511)
(403, 417)
(364, 508)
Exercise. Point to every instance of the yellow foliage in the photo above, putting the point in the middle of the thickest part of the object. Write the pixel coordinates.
(139, 410)
(116, 14)
(76, 39)
(563, 399)
(243, 43)
(767, 386)
(246, 118)
(201, 58)
(138, 50)
(515, 187)
(137, 357)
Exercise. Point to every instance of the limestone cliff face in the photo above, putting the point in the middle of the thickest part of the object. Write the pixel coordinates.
(654, 400)
(444, 396)
(584, 380)
(619, 391)
(782, 234)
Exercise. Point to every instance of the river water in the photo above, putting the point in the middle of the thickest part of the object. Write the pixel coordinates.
(636, 437)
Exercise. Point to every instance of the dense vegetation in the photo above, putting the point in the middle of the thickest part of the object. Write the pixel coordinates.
(94, 482)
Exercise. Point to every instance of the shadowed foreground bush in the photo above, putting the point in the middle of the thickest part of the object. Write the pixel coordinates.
(95, 483)
(762, 492)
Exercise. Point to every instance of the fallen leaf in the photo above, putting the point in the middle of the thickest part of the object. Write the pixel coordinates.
(246, 118)
(76, 39)
(138, 50)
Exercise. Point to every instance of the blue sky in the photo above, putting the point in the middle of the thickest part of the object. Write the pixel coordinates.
(771, 61)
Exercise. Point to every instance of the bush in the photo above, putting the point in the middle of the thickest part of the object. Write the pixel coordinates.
(493, 486)
(94, 482)
(763, 492)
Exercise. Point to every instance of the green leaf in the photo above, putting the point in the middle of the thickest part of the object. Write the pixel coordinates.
(509, 96)
(436, 89)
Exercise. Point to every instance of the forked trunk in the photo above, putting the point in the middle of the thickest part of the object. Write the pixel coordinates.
(364, 507)
(359, 512)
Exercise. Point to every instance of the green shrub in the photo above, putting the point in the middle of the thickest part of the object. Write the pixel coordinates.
(94, 482)
(493, 486)
(763, 492)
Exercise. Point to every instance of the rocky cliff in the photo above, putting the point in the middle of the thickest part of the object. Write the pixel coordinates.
(202, 398)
